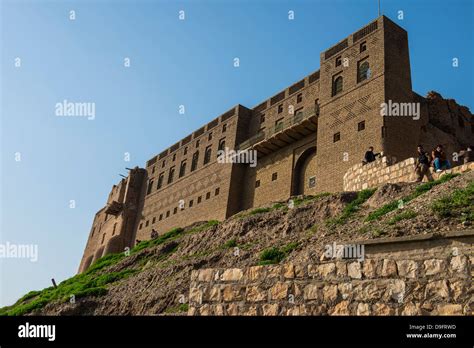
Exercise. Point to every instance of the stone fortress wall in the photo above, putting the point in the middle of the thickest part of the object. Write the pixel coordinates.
(382, 171)
(306, 137)
(420, 275)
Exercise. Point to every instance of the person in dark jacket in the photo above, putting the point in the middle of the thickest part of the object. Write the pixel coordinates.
(370, 155)
(467, 155)
(422, 164)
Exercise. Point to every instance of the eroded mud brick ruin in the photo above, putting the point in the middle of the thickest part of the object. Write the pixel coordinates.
(306, 138)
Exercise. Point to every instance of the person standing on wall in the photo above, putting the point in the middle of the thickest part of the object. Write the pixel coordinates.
(422, 164)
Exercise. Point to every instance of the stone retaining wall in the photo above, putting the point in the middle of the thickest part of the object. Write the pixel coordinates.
(372, 287)
(385, 170)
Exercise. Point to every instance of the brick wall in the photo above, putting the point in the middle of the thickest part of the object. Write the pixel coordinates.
(382, 171)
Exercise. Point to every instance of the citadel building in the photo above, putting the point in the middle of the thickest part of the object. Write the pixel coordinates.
(306, 138)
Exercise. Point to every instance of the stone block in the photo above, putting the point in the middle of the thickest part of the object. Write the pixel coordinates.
(256, 294)
(354, 270)
(232, 275)
(407, 268)
(434, 266)
(279, 291)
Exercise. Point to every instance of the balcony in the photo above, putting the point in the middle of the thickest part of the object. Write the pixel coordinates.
(114, 208)
(282, 134)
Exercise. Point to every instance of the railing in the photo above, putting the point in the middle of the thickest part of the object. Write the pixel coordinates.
(290, 122)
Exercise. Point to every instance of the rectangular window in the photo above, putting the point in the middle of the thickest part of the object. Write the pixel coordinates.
(163, 164)
(299, 98)
(186, 150)
(274, 176)
(195, 160)
(175, 210)
(153, 170)
(150, 185)
(154, 220)
(262, 118)
(338, 61)
(363, 70)
(224, 128)
(279, 124)
(216, 192)
(161, 217)
(363, 46)
(182, 169)
(168, 213)
(360, 126)
(207, 154)
(197, 143)
(257, 183)
(171, 175)
(280, 108)
(174, 157)
(208, 195)
(221, 144)
(141, 225)
(199, 199)
(336, 137)
(337, 84)
(147, 223)
(160, 180)
(209, 137)
(191, 202)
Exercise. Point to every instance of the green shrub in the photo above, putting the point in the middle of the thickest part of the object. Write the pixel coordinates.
(259, 211)
(276, 255)
(272, 255)
(406, 215)
(351, 208)
(419, 190)
(459, 202)
(230, 244)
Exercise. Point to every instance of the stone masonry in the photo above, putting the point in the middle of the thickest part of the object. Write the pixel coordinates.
(400, 282)
(379, 172)
(305, 138)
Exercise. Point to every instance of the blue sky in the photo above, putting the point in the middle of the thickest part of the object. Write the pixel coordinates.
(173, 63)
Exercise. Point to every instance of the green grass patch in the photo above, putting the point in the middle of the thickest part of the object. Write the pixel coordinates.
(90, 282)
(351, 208)
(260, 211)
(405, 215)
(276, 255)
(183, 307)
(81, 285)
(419, 190)
(232, 243)
(301, 201)
(459, 203)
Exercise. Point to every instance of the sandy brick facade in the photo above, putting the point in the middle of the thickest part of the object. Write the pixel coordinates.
(305, 137)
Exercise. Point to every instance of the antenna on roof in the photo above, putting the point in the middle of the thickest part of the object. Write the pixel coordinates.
(123, 176)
